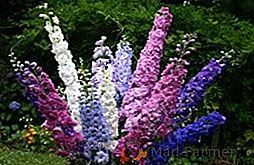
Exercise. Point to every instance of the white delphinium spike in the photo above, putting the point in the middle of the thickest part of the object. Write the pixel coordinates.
(67, 69)
(108, 103)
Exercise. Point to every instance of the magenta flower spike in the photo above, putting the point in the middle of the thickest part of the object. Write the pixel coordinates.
(155, 118)
(137, 103)
(147, 69)
(41, 92)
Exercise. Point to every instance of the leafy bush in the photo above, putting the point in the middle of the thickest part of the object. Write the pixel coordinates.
(31, 138)
(13, 106)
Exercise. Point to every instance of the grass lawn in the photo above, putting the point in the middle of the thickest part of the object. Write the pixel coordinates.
(17, 157)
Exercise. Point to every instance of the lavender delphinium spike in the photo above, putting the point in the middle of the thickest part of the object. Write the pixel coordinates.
(102, 79)
(182, 137)
(122, 69)
(108, 104)
(147, 69)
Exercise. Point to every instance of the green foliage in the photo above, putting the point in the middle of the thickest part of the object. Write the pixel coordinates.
(241, 8)
(83, 23)
(31, 138)
(192, 160)
(245, 145)
(9, 120)
(17, 157)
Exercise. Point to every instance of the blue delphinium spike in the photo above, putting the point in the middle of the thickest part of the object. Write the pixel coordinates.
(184, 136)
(94, 126)
(191, 93)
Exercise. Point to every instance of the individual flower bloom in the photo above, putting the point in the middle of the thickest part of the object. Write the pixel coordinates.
(182, 137)
(14, 106)
(32, 131)
(100, 42)
(55, 20)
(68, 130)
(29, 135)
(44, 16)
(191, 93)
(122, 69)
(86, 152)
(101, 157)
(147, 69)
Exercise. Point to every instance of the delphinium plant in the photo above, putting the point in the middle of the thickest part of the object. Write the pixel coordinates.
(151, 106)
(67, 69)
(153, 113)
(40, 90)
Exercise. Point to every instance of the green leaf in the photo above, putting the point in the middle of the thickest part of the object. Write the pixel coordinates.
(15, 127)
(25, 107)
(8, 116)
(215, 106)
(34, 113)
(3, 115)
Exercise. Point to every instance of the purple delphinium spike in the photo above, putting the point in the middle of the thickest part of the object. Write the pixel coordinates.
(148, 67)
(40, 89)
(182, 137)
(122, 69)
(191, 93)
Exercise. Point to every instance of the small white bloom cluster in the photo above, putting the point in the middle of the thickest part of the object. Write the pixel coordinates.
(66, 68)
(84, 76)
(185, 3)
(43, 6)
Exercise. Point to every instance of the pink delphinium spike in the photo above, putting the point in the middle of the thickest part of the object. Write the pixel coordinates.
(147, 69)
(154, 120)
